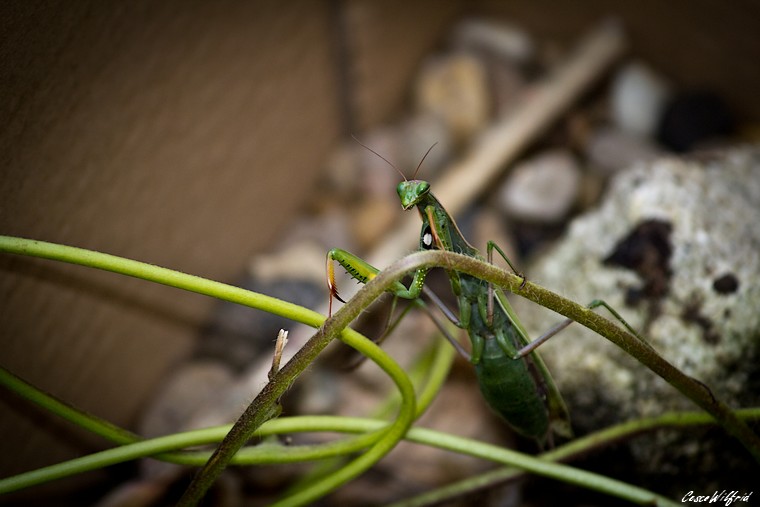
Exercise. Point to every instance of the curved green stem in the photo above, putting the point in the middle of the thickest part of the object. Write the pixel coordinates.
(267, 453)
(692, 388)
(264, 406)
(578, 447)
(437, 375)
(62, 409)
(164, 276)
(274, 453)
(121, 436)
(428, 375)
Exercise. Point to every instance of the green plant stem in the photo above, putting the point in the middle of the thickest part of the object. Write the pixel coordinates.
(432, 369)
(428, 375)
(164, 276)
(690, 387)
(578, 447)
(264, 406)
(268, 453)
(273, 453)
(693, 389)
(62, 409)
(121, 436)
(255, 414)
(437, 375)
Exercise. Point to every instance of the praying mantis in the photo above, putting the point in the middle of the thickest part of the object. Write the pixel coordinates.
(513, 378)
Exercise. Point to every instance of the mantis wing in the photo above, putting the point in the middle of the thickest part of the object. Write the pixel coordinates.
(558, 414)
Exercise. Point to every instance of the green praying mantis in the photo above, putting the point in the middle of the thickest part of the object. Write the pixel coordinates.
(513, 378)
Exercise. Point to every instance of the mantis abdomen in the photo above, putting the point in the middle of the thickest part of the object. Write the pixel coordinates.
(511, 391)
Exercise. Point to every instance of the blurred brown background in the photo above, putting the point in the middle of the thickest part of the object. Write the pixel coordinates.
(187, 134)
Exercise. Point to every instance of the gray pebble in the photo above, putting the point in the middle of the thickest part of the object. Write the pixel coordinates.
(542, 189)
(612, 149)
(638, 99)
(502, 39)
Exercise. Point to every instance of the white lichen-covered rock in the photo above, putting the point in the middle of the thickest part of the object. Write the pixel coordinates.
(675, 247)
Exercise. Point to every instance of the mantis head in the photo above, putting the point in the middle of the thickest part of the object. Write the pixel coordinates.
(411, 192)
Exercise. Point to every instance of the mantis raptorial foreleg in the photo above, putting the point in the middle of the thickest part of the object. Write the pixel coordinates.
(363, 272)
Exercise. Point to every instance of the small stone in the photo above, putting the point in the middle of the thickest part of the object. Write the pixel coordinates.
(500, 39)
(237, 335)
(299, 260)
(612, 149)
(311, 233)
(638, 98)
(136, 493)
(542, 189)
(455, 88)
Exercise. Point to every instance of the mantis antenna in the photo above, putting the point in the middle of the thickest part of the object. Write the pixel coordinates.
(393, 166)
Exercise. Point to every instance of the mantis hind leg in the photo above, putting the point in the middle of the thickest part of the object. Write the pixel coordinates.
(527, 349)
(461, 322)
(392, 323)
(442, 327)
(491, 246)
